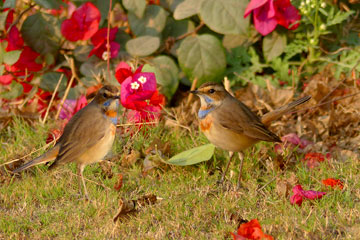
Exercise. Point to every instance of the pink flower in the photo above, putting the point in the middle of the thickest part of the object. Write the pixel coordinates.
(71, 107)
(291, 140)
(300, 194)
(83, 24)
(137, 89)
(268, 13)
(123, 71)
(99, 40)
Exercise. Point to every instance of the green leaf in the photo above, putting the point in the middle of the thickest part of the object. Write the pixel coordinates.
(42, 32)
(202, 57)
(166, 72)
(225, 16)
(49, 81)
(295, 47)
(170, 4)
(175, 28)
(93, 68)
(49, 4)
(193, 156)
(187, 9)
(3, 16)
(9, 4)
(81, 52)
(152, 23)
(143, 46)
(103, 7)
(16, 89)
(11, 57)
(273, 45)
(135, 6)
(339, 18)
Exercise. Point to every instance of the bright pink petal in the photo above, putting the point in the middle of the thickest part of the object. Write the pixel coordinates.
(254, 4)
(6, 79)
(299, 194)
(295, 140)
(264, 18)
(80, 103)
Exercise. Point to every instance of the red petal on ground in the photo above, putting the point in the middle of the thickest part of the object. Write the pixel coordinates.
(334, 183)
(300, 194)
(251, 230)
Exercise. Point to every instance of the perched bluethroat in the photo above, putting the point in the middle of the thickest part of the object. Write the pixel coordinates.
(88, 136)
(231, 125)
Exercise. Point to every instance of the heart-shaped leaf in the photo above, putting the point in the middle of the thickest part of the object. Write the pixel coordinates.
(49, 81)
(225, 16)
(187, 9)
(152, 23)
(202, 57)
(273, 45)
(16, 89)
(193, 156)
(42, 32)
(142, 46)
(11, 57)
(166, 72)
(135, 6)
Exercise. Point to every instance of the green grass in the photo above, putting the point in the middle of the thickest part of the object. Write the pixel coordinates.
(46, 205)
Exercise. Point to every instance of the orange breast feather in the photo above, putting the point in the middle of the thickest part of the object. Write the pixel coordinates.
(205, 124)
(111, 113)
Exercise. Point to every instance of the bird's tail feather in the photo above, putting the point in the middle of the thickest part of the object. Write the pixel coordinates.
(46, 157)
(277, 113)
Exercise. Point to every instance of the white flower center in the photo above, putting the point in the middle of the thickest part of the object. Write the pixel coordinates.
(142, 79)
(135, 85)
(105, 55)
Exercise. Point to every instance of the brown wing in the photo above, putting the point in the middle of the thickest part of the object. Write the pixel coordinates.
(82, 132)
(236, 116)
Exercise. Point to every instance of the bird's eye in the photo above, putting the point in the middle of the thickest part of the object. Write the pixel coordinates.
(211, 90)
(104, 95)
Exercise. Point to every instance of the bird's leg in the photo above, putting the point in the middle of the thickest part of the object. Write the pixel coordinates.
(81, 180)
(231, 154)
(241, 156)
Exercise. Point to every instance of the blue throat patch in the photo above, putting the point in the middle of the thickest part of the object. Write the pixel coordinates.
(208, 100)
(203, 113)
(114, 120)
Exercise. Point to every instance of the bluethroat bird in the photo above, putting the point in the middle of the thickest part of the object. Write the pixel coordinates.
(230, 125)
(87, 137)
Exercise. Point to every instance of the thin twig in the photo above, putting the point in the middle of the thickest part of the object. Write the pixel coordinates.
(135, 124)
(108, 42)
(20, 15)
(72, 66)
(52, 99)
(190, 33)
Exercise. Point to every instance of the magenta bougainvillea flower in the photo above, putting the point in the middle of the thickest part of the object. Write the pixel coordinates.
(267, 14)
(123, 71)
(83, 23)
(99, 40)
(71, 107)
(300, 194)
(139, 94)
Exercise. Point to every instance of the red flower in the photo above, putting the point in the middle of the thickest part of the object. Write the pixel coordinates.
(137, 89)
(123, 71)
(83, 24)
(313, 159)
(268, 13)
(6, 79)
(26, 62)
(333, 183)
(14, 39)
(300, 194)
(251, 230)
(99, 40)
(71, 107)
(149, 112)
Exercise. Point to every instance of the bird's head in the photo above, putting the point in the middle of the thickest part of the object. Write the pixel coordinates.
(108, 96)
(211, 94)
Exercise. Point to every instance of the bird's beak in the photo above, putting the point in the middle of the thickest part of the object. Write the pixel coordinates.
(117, 97)
(194, 92)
